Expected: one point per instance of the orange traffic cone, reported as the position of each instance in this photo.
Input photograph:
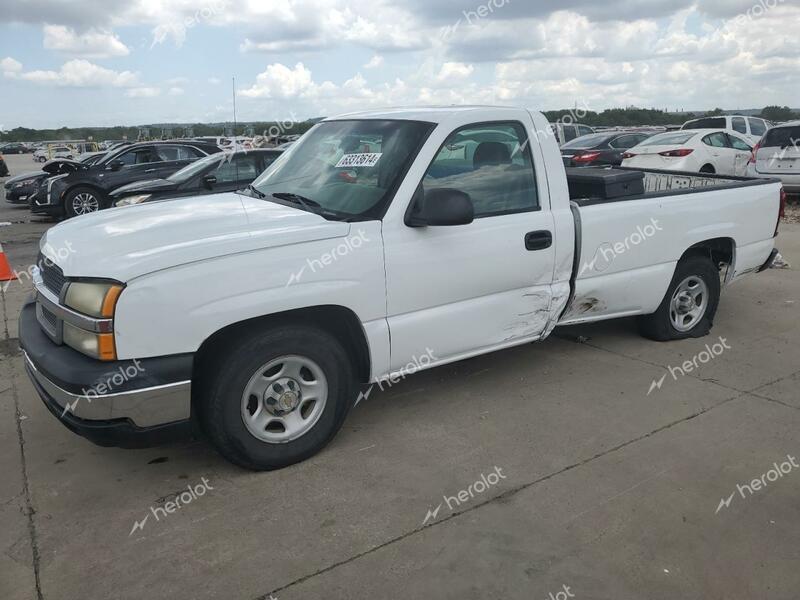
(6, 274)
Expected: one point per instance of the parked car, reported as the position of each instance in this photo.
(778, 155)
(51, 152)
(695, 151)
(21, 188)
(3, 167)
(87, 189)
(15, 148)
(751, 128)
(567, 132)
(599, 149)
(259, 317)
(214, 174)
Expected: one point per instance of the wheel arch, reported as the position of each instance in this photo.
(721, 251)
(339, 321)
(102, 193)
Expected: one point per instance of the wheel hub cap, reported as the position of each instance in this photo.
(283, 396)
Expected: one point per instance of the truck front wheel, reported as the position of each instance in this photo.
(276, 397)
(690, 304)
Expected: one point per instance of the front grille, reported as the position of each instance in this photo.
(49, 317)
(52, 275)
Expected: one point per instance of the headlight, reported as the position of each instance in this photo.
(94, 299)
(24, 182)
(131, 200)
(96, 345)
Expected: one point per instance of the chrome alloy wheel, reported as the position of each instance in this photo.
(85, 203)
(689, 303)
(284, 399)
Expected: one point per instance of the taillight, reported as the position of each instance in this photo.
(586, 158)
(781, 211)
(753, 155)
(677, 153)
(627, 155)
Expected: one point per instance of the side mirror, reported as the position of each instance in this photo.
(116, 165)
(441, 208)
(209, 181)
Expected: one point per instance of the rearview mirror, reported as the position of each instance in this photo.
(441, 208)
(209, 181)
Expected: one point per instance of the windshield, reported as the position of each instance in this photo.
(588, 141)
(192, 169)
(782, 137)
(668, 139)
(348, 168)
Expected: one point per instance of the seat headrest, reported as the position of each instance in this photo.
(490, 154)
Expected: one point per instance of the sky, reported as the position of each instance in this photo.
(128, 62)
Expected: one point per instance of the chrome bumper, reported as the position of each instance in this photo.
(145, 407)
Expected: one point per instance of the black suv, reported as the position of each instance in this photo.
(87, 189)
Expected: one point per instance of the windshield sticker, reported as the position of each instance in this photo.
(349, 161)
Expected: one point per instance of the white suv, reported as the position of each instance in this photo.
(45, 154)
(752, 128)
(778, 155)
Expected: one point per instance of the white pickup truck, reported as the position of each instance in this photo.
(379, 244)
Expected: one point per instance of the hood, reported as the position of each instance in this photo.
(61, 165)
(144, 187)
(128, 242)
(31, 175)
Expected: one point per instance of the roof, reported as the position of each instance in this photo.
(431, 114)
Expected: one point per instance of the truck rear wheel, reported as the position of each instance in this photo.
(690, 304)
(277, 397)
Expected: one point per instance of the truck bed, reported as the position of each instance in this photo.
(656, 183)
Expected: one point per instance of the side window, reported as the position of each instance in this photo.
(626, 141)
(167, 153)
(739, 144)
(758, 127)
(242, 167)
(189, 153)
(739, 124)
(716, 140)
(584, 130)
(495, 169)
(570, 133)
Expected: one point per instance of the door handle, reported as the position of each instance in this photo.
(149, 170)
(538, 240)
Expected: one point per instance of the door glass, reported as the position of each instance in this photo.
(570, 133)
(758, 127)
(739, 144)
(492, 163)
(738, 124)
(716, 140)
(243, 167)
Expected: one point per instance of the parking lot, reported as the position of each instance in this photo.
(594, 465)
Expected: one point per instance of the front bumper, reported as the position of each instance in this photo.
(127, 403)
(19, 195)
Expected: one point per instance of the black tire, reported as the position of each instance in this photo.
(708, 169)
(69, 201)
(659, 326)
(228, 373)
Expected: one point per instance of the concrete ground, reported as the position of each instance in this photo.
(566, 476)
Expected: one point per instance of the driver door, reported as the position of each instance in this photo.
(459, 290)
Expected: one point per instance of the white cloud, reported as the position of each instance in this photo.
(175, 91)
(214, 81)
(454, 71)
(10, 67)
(279, 81)
(143, 92)
(82, 73)
(374, 62)
(92, 44)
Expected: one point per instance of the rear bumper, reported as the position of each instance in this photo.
(769, 261)
(130, 404)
